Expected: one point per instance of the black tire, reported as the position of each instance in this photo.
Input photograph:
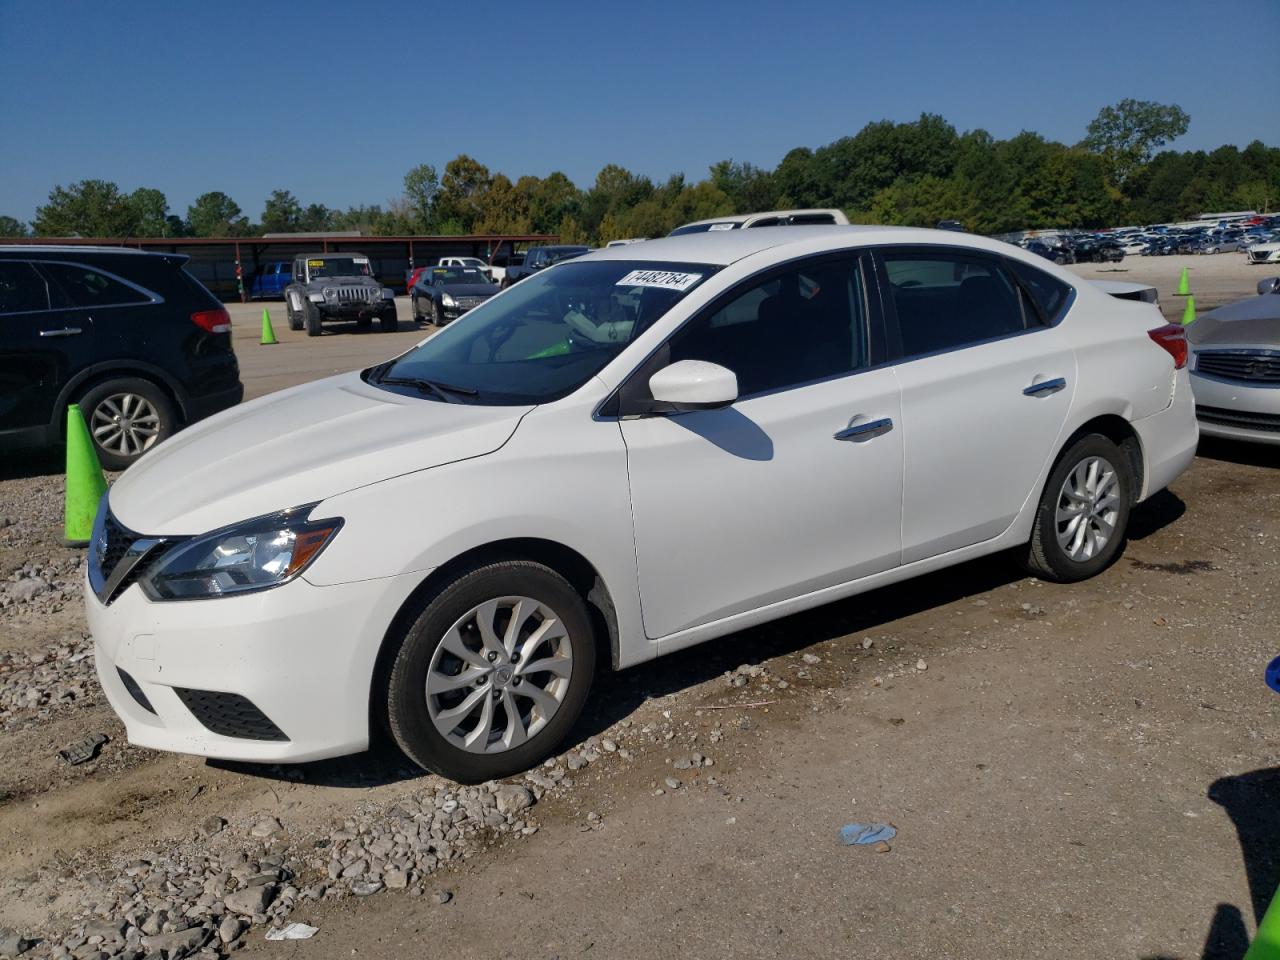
(388, 322)
(311, 317)
(1045, 557)
(108, 396)
(413, 307)
(364, 323)
(408, 719)
(435, 314)
(295, 321)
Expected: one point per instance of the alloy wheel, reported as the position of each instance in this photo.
(125, 423)
(499, 675)
(1088, 508)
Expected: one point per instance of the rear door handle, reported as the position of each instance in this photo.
(64, 332)
(866, 430)
(1045, 387)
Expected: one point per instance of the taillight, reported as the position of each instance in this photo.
(212, 321)
(1173, 338)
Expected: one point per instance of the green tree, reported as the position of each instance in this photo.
(570, 231)
(1128, 134)
(502, 208)
(215, 214)
(550, 200)
(90, 208)
(421, 185)
(749, 188)
(151, 213)
(316, 218)
(465, 180)
(13, 227)
(282, 213)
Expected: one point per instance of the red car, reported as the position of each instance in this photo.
(414, 274)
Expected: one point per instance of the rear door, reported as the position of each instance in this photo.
(34, 343)
(987, 383)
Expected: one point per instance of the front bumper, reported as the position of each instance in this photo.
(301, 655)
(353, 310)
(1237, 411)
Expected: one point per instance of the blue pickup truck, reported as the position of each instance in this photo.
(270, 281)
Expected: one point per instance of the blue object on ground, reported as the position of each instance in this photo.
(859, 834)
(1273, 675)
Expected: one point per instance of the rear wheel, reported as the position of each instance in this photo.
(126, 418)
(493, 673)
(1083, 514)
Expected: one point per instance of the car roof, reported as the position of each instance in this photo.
(35, 249)
(728, 246)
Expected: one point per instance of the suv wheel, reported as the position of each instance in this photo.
(493, 673)
(388, 322)
(311, 316)
(295, 321)
(1083, 514)
(126, 418)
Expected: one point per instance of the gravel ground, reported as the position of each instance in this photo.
(1074, 771)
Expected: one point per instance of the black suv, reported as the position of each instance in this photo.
(132, 337)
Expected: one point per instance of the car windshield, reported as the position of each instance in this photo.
(339, 267)
(457, 275)
(556, 254)
(703, 228)
(546, 336)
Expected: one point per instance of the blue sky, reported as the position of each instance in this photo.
(335, 101)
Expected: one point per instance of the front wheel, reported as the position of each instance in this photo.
(1083, 515)
(388, 322)
(493, 673)
(311, 315)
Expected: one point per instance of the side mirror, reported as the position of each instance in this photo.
(1269, 285)
(694, 385)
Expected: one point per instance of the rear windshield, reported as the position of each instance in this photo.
(546, 336)
(704, 228)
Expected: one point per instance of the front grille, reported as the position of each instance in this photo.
(1266, 422)
(117, 541)
(1244, 366)
(354, 294)
(229, 714)
(135, 691)
(467, 303)
(1259, 256)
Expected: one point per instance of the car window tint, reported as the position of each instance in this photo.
(805, 324)
(948, 300)
(86, 287)
(1050, 293)
(21, 288)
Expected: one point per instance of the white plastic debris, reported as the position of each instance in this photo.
(292, 931)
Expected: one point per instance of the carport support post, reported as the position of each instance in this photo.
(239, 274)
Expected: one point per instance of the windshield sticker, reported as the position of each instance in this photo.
(659, 278)
(315, 263)
(722, 226)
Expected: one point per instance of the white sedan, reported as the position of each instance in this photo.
(629, 453)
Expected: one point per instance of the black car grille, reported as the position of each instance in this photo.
(111, 547)
(1259, 256)
(1266, 422)
(135, 691)
(1244, 366)
(118, 540)
(229, 715)
(467, 303)
(354, 294)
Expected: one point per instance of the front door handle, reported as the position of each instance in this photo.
(1045, 387)
(64, 332)
(866, 430)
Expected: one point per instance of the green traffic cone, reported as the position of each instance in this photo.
(85, 482)
(1189, 314)
(1184, 283)
(268, 335)
(1266, 945)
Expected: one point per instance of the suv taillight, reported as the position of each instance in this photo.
(1173, 338)
(213, 321)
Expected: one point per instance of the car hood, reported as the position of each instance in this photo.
(1251, 322)
(299, 446)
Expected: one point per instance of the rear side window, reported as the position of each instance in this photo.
(804, 324)
(1051, 295)
(83, 286)
(946, 300)
(21, 288)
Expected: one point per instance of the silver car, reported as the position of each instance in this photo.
(1235, 373)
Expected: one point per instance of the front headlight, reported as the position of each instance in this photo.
(448, 301)
(330, 293)
(254, 555)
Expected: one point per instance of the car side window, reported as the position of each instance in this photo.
(21, 288)
(802, 324)
(83, 286)
(948, 299)
(1052, 296)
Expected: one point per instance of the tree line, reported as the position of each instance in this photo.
(914, 173)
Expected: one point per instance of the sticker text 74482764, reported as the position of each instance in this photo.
(667, 279)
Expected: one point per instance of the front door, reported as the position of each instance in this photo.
(773, 497)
